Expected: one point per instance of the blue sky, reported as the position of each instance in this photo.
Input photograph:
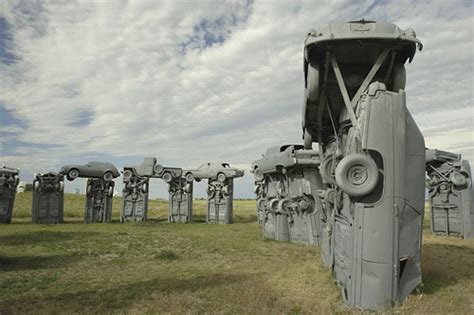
(196, 81)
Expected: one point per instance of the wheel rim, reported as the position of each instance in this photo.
(221, 177)
(357, 175)
(108, 176)
(167, 177)
(127, 174)
(74, 173)
(158, 169)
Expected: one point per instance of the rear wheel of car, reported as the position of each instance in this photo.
(227, 190)
(261, 203)
(458, 179)
(158, 169)
(308, 140)
(167, 177)
(257, 175)
(61, 186)
(73, 174)
(189, 177)
(36, 186)
(127, 174)
(399, 77)
(221, 177)
(188, 188)
(327, 169)
(273, 204)
(283, 205)
(312, 83)
(145, 188)
(108, 176)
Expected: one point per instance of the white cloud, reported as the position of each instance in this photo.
(191, 81)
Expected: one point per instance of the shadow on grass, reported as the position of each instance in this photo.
(444, 265)
(106, 300)
(43, 237)
(35, 262)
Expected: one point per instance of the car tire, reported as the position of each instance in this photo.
(227, 190)
(127, 174)
(221, 177)
(36, 186)
(190, 177)
(158, 169)
(145, 188)
(312, 83)
(399, 77)
(273, 204)
(188, 187)
(72, 174)
(458, 179)
(108, 176)
(261, 202)
(326, 169)
(61, 186)
(308, 140)
(257, 175)
(167, 177)
(357, 175)
(282, 206)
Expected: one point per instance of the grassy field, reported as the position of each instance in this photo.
(195, 268)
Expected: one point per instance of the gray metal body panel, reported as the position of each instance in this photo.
(376, 238)
(9, 179)
(48, 198)
(220, 201)
(99, 196)
(451, 194)
(135, 198)
(180, 201)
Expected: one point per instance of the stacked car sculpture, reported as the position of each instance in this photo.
(359, 194)
(451, 194)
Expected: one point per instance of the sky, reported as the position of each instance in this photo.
(194, 81)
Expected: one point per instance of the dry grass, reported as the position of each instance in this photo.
(195, 268)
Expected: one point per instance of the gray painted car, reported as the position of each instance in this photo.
(9, 180)
(104, 170)
(371, 174)
(450, 193)
(372, 158)
(219, 171)
(150, 168)
(48, 198)
(281, 158)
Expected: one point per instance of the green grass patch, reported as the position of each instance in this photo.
(156, 267)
